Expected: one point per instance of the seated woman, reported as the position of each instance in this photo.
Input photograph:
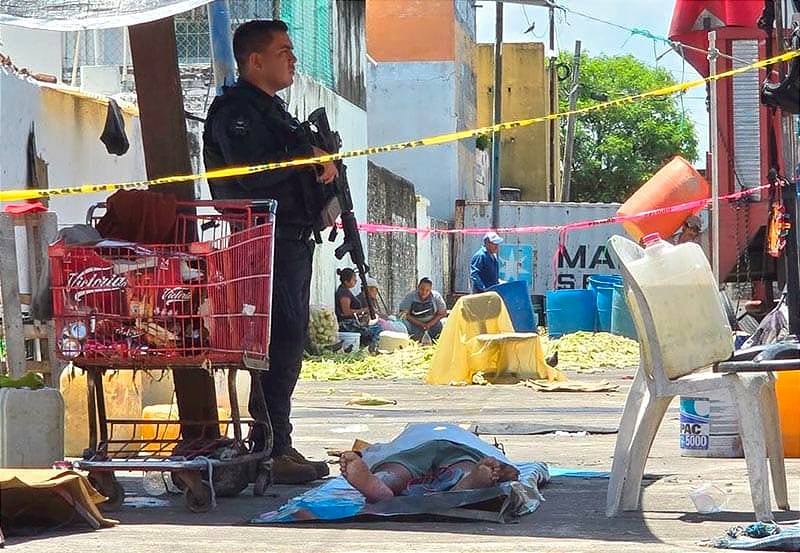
(350, 312)
(426, 458)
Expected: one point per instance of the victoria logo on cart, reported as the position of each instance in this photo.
(93, 280)
(175, 295)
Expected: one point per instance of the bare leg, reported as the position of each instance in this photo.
(394, 479)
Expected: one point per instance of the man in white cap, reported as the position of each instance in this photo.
(484, 269)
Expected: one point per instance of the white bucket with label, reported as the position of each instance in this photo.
(709, 426)
(351, 341)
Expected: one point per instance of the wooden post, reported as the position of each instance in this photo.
(40, 230)
(160, 99)
(166, 150)
(12, 317)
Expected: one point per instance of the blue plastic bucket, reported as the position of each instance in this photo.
(621, 321)
(603, 285)
(570, 311)
(518, 302)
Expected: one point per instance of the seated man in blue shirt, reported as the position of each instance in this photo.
(485, 268)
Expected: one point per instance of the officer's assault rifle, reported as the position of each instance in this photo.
(325, 139)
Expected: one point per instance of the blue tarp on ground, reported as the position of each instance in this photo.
(336, 499)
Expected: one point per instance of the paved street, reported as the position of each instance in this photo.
(572, 519)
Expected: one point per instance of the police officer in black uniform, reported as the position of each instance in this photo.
(249, 125)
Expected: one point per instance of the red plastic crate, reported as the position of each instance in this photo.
(203, 299)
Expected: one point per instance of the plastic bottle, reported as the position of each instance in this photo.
(426, 339)
(708, 498)
(154, 482)
(679, 287)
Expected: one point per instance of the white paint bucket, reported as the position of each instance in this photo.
(709, 426)
(351, 341)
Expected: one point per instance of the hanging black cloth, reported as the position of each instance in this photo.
(114, 132)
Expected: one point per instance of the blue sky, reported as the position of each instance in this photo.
(599, 38)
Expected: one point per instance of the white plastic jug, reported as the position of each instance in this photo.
(689, 318)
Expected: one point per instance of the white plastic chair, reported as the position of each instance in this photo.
(651, 393)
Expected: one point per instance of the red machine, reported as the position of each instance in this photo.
(750, 135)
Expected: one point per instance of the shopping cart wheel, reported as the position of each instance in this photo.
(198, 497)
(108, 485)
(177, 482)
(263, 480)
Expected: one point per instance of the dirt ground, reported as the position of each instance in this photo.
(572, 518)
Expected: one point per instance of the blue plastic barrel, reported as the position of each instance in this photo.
(570, 311)
(621, 321)
(518, 302)
(603, 285)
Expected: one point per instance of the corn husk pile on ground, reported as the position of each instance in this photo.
(322, 327)
(412, 362)
(586, 351)
(581, 351)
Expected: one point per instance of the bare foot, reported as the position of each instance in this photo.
(357, 473)
(483, 475)
(507, 473)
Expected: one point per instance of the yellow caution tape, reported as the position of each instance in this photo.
(25, 194)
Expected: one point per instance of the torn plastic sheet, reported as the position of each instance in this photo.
(77, 15)
(337, 500)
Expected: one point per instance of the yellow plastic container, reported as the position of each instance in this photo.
(158, 430)
(788, 390)
(125, 392)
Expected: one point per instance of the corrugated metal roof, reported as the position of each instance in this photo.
(74, 15)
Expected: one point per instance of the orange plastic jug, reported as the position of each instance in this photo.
(675, 183)
(787, 388)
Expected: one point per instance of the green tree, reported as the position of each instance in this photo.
(617, 149)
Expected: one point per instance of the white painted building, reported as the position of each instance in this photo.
(67, 125)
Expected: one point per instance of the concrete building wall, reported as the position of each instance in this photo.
(391, 201)
(350, 50)
(465, 95)
(391, 24)
(523, 155)
(412, 100)
(304, 96)
(67, 129)
(422, 82)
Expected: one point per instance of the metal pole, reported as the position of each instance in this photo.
(573, 102)
(553, 161)
(96, 45)
(713, 54)
(76, 57)
(219, 24)
(792, 259)
(124, 52)
(498, 101)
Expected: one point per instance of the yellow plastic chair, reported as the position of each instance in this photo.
(479, 337)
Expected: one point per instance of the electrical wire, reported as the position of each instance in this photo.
(675, 45)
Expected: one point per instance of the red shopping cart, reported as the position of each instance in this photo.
(200, 302)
